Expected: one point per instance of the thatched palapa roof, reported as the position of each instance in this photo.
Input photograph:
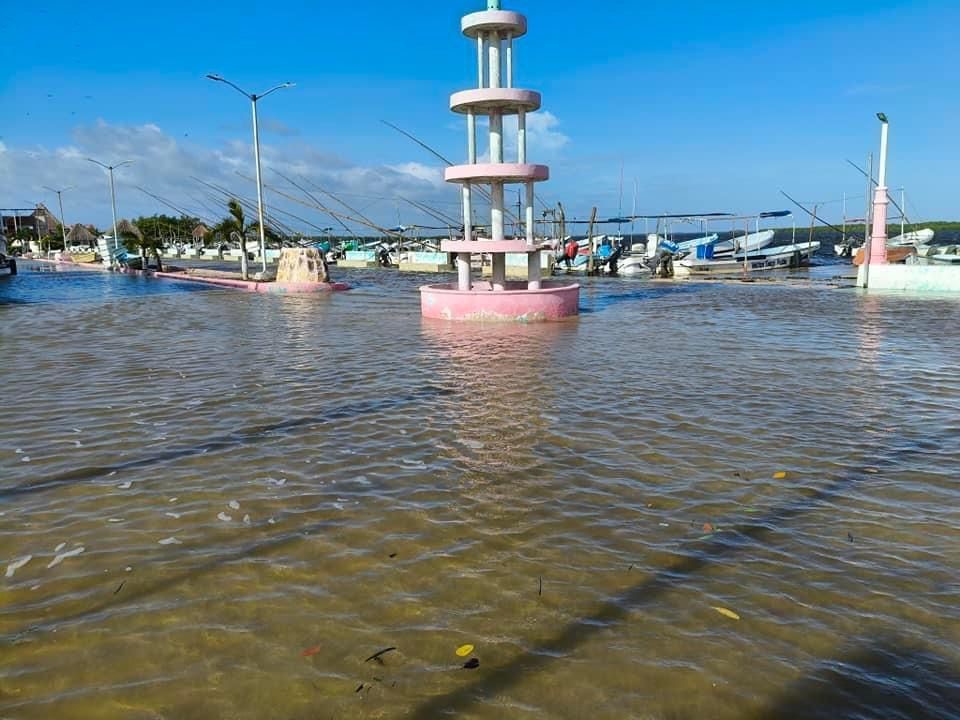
(125, 228)
(80, 235)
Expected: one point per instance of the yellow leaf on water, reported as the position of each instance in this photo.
(464, 650)
(726, 613)
(779, 475)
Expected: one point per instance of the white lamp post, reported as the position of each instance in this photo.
(252, 97)
(878, 239)
(113, 195)
(63, 226)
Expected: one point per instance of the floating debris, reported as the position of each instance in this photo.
(726, 613)
(59, 547)
(359, 688)
(310, 651)
(17, 564)
(233, 505)
(60, 557)
(174, 515)
(779, 475)
(246, 519)
(170, 541)
(120, 587)
(540, 588)
(114, 520)
(708, 527)
(376, 655)
(223, 516)
(125, 485)
(849, 537)
(25, 458)
(173, 499)
(464, 650)
(471, 664)
(393, 555)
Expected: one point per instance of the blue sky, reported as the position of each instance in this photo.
(708, 106)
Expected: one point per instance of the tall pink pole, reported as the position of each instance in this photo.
(878, 237)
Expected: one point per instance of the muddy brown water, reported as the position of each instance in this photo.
(253, 477)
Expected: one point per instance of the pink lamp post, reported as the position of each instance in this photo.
(878, 237)
(495, 97)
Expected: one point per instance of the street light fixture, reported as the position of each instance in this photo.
(253, 97)
(63, 226)
(113, 195)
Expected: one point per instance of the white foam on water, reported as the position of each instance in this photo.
(173, 515)
(78, 443)
(338, 506)
(112, 473)
(25, 458)
(76, 430)
(473, 444)
(223, 516)
(64, 555)
(114, 519)
(173, 499)
(19, 451)
(17, 564)
(125, 485)
(361, 479)
(169, 541)
(271, 521)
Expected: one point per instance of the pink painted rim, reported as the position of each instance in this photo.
(490, 20)
(497, 172)
(484, 100)
(488, 246)
(514, 287)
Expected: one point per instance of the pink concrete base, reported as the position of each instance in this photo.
(553, 301)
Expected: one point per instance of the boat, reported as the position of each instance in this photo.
(687, 246)
(946, 255)
(894, 255)
(916, 237)
(847, 248)
(767, 258)
(753, 241)
(8, 265)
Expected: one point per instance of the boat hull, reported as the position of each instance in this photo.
(789, 256)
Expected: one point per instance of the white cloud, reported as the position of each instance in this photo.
(164, 166)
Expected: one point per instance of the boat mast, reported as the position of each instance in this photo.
(903, 209)
(844, 241)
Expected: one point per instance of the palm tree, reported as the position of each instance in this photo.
(235, 227)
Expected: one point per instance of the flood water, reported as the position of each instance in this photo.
(230, 502)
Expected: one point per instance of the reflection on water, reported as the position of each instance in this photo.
(197, 490)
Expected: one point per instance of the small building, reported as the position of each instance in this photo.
(38, 220)
(200, 233)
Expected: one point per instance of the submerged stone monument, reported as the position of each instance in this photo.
(302, 265)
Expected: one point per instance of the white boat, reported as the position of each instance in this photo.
(752, 242)
(769, 258)
(687, 246)
(917, 237)
(948, 255)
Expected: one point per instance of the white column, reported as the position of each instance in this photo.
(496, 137)
(471, 138)
(533, 259)
(509, 60)
(463, 259)
(481, 60)
(494, 59)
(522, 136)
(499, 260)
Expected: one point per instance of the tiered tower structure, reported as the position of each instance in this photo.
(495, 97)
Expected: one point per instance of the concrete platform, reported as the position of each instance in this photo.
(910, 278)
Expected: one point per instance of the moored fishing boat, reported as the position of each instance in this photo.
(751, 243)
(769, 258)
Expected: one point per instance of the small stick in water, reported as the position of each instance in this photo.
(120, 587)
(376, 655)
(540, 591)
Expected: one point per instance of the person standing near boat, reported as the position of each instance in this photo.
(570, 251)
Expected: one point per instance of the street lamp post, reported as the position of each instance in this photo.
(253, 97)
(878, 238)
(63, 225)
(113, 196)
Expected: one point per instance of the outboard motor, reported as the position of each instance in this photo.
(661, 262)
